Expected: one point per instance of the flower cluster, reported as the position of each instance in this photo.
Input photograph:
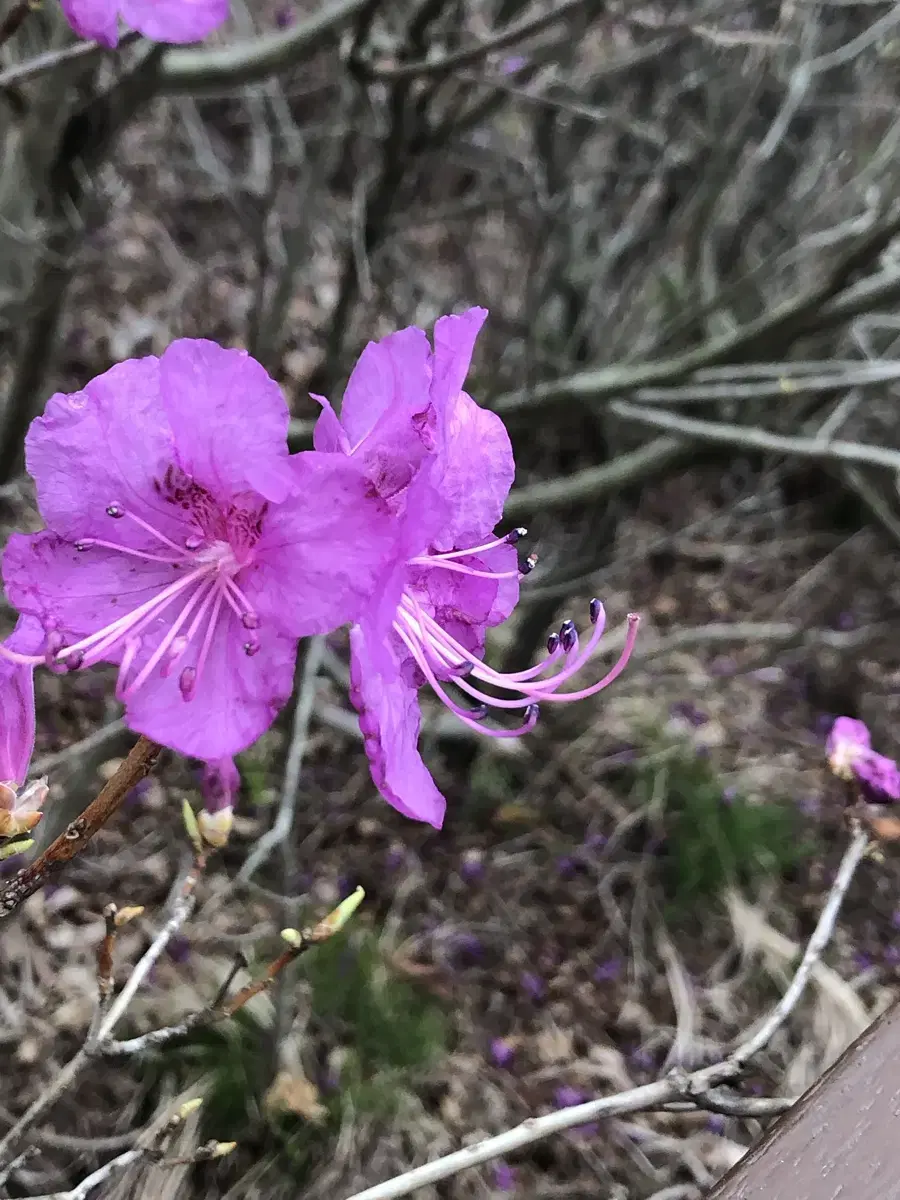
(851, 757)
(162, 20)
(187, 546)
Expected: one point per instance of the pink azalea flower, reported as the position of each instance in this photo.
(162, 20)
(442, 466)
(850, 756)
(186, 545)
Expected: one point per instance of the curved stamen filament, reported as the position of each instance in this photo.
(151, 530)
(434, 650)
(133, 620)
(472, 719)
(509, 540)
(89, 543)
(201, 594)
(425, 561)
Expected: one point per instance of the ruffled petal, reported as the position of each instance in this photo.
(94, 19)
(175, 21)
(389, 717)
(17, 702)
(77, 593)
(329, 435)
(109, 443)
(474, 473)
(229, 420)
(466, 605)
(454, 341)
(237, 697)
(390, 376)
(323, 553)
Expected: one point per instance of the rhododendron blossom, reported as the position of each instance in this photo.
(851, 757)
(443, 467)
(185, 544)
(162, 20)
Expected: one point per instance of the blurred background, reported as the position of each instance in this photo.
(683, 219)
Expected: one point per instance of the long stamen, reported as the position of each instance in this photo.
(118, 510)
(133, 620)
(509, 540)
(236, 599)
(189, 606)
(207, 640)
(132, 646)
(425, 561)
(89, 543)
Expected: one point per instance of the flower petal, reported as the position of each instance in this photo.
(474, 473)
(389, 717)
(17, 702)
(94, 19)
(77, 593)
(228, 417)
(324, 552)
(237, 696)
(175, 21)
(390, 376)
(105, 444)
(454, 341)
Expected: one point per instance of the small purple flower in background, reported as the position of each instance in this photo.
(442, 466)
(689, 712)
(715, 1123)
(285, 17)
(851, 757)
(502, 1052)
(471, 865)
(569, 1097)
(179, 949)
(162, 20)
(185, 544)
(610, 969)
(504, 1176)
(532, 984)
(514, 63)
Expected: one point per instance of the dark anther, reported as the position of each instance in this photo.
(552, 643)
(115, 510)
(515, 534)
(528, 565)
(83, 544)
(479, 713)
(532, 712)
(568, 635)
(596, 610)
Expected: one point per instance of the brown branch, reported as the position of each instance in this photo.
(76, 835)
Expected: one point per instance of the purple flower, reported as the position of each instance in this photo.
(610, 969)
(504, 1176)
(568, 1097)
(186, 545)
(532, 984)
(502, 1052)
(442, 466)
(850, 756)
(715, 1123)
(161, 20)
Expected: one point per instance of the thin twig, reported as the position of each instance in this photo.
(749, 437)
(852, 857)
(284, 822)
(60, 1083)
(78, 833)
